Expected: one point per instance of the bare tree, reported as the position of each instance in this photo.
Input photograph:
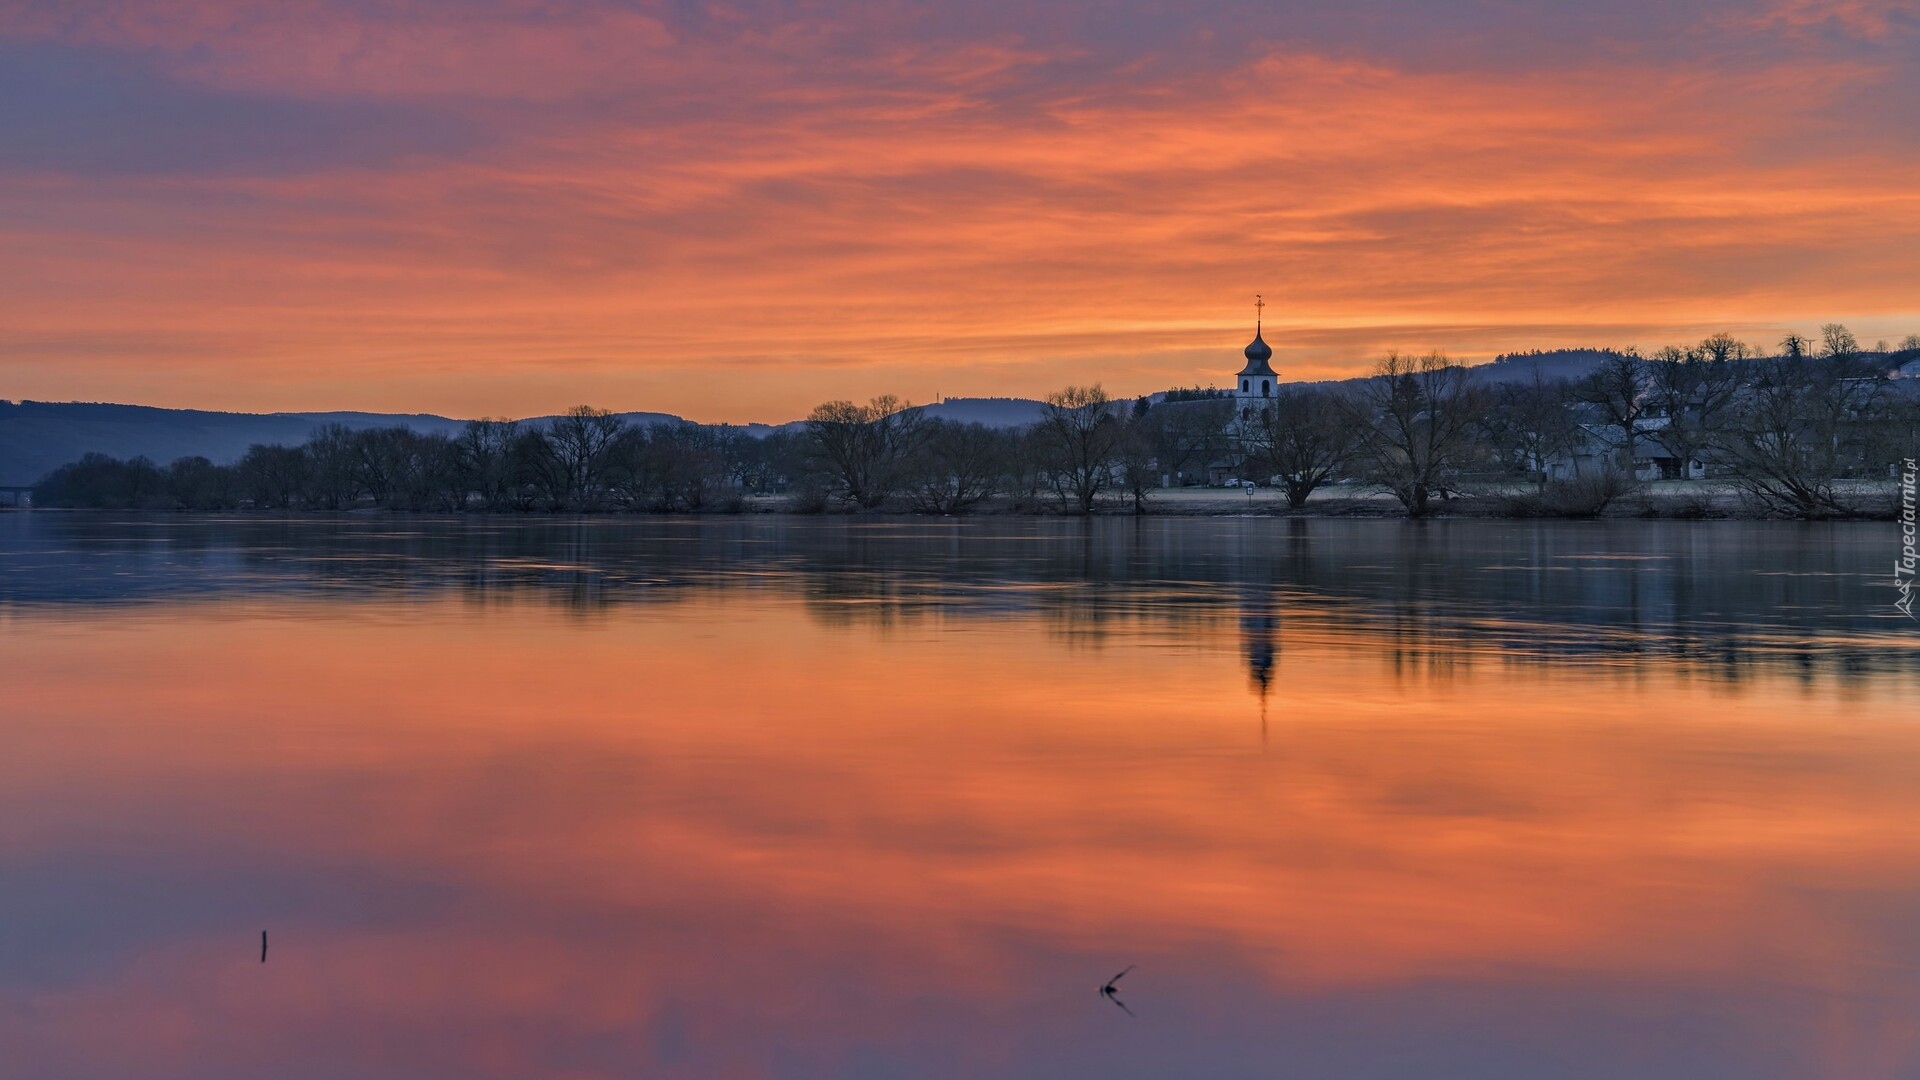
(1793, 346)
(275, 477)
(1417, 419)
(1029, 469)
(439, 481)
(772, 462)
(866, 448)
(681, 466)
(740, 451)
(1894, 431)
(1693, 388)
(484, 452)
(386, 465)
(579, 440)
(541, 481)
(334, 477)
(1618, 390)
(1724, 346)
(1530, 423)
(1187, 434)
(1797, 428)
(196, 483)
(1080, 437)
(1303, 436)
(1838, 343)
(956, 467)
(1139, 469)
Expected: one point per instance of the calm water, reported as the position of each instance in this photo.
(793, 797)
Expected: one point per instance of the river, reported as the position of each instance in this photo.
(796, 797)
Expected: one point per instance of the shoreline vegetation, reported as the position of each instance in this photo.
(1663, 500)
(1716, 430)
(1656, 502)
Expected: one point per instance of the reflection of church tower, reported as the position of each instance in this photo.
(1259, 629)
(1257, 380)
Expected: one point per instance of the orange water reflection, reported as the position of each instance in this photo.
(726, 836)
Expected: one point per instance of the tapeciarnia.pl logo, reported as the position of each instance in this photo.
(1903, 566)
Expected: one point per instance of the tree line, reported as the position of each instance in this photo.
(1803, 431)
(587, 460)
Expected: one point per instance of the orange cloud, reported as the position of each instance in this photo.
(734, 217)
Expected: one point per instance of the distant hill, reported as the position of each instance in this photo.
(991, 412)
(38, 436)
(1550, 364)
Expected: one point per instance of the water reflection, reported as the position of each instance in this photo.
(804, 798)
(1718, 597)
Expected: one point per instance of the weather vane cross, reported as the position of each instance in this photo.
(1259, 305)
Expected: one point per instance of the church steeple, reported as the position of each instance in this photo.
(1257, 379)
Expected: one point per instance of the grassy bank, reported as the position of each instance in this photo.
(1668, 499)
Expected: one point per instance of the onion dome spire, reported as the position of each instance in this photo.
(1258, 352)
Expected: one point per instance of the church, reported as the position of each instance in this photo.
(1256, 384)
(1258, 380)
(1255, 387)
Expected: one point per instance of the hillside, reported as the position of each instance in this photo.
(37, 436)
(1551, 365)
(991, 412)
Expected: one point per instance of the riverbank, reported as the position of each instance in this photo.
(1658, 500)
(1662, 499)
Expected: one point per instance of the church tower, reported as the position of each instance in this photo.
(1257, 382)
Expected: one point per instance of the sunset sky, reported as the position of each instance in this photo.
(733, 211)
